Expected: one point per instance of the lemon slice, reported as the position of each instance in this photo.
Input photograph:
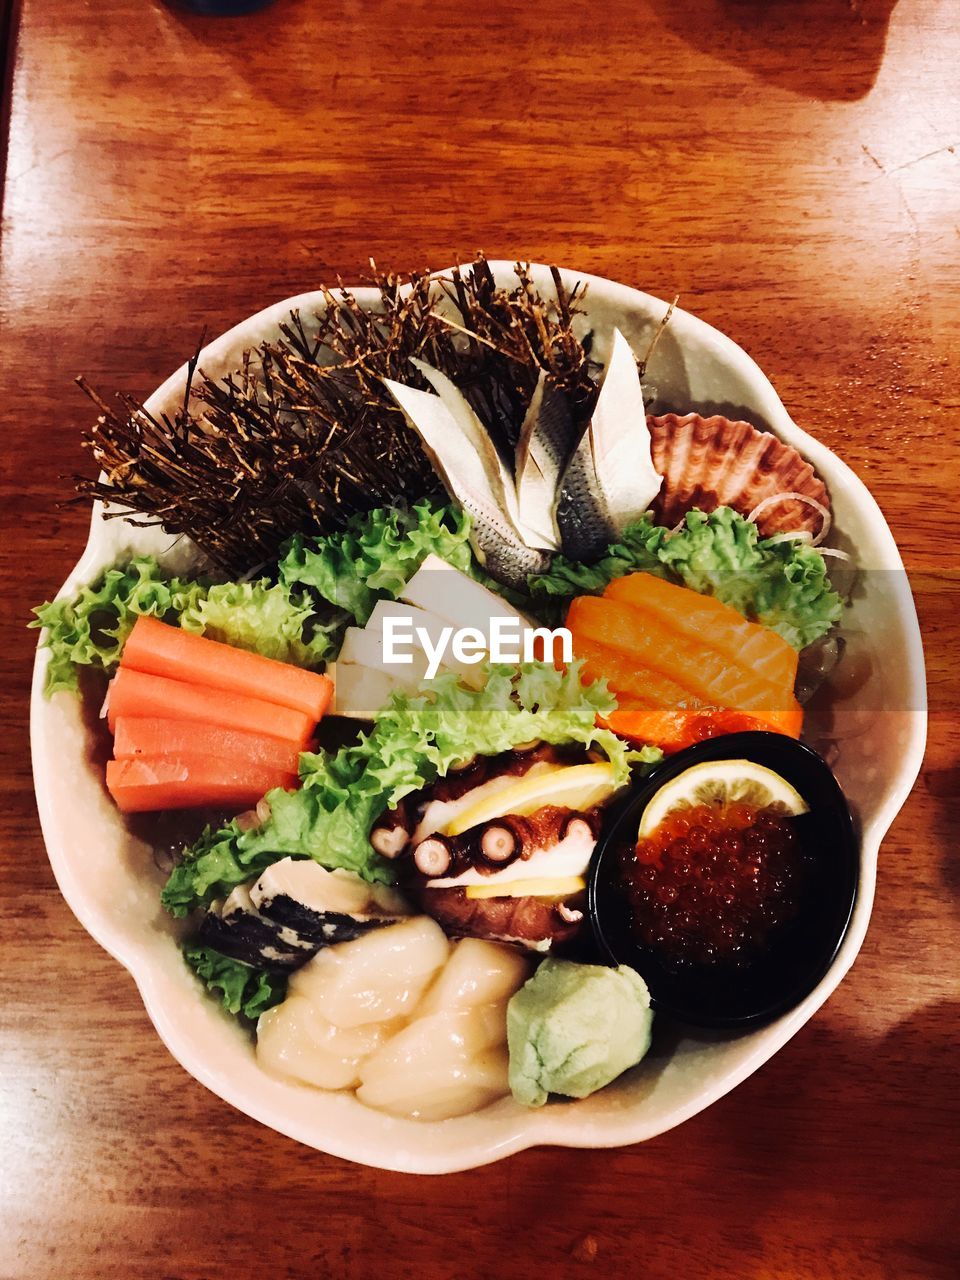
(578, 786)
(558, 887)
(722, 782)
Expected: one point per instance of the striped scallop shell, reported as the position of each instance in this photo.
(713, 462)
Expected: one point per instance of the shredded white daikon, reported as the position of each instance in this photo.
(797, 497)
(836, 553)
(792, 535)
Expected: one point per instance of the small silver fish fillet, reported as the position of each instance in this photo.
(582, 515)
(610, 480)
(493, 534)
(498, 475)
(547, 436)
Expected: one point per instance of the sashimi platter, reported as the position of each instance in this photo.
(473, 721)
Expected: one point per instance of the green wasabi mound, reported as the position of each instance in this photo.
(575, 1027)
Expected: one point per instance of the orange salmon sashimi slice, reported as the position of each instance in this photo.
(654, 708)
(626, 676)
(675, 729)
(695, 664)
(749, 644)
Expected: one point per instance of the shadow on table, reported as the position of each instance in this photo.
(9, 26)
(829, 50)
(831, 1129)
(944, 786)
(826, 50)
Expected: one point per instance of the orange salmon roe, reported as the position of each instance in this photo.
(712, 883)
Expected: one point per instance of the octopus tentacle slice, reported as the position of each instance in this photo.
(433, 856)
(391, 833)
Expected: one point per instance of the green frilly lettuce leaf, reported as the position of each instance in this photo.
(415, 740)
(782, 584)
(276, 621)
(91, 628)
(324, 583)
(376, 555)
(241, 988)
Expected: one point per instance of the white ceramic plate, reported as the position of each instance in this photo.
(877, 733)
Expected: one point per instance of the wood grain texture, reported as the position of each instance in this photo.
(792, 168)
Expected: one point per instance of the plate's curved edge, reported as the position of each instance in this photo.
(550, 1130)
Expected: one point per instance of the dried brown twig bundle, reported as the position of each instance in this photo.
(304, 435)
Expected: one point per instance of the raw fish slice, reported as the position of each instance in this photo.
(610, 480)
(712, 462)
(493, 534)
(536, 507)
(748, 644)
(494, 468)
(549, 430)
(583, 520)
(676, 728)
(645, 637)
(626, 676)
(546, 439)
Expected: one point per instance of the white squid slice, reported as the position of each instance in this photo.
(457, 600)
(472, 674)
(438, 813)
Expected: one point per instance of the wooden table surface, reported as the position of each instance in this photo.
(792, 169)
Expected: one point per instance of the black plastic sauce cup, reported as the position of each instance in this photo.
(798, 954)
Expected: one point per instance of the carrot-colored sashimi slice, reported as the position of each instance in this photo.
(162, 650)
(625, 675)
(152, 736)
(644, 636)
(676, 728)
(189, 782)
(754, 647)
(135, 693)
